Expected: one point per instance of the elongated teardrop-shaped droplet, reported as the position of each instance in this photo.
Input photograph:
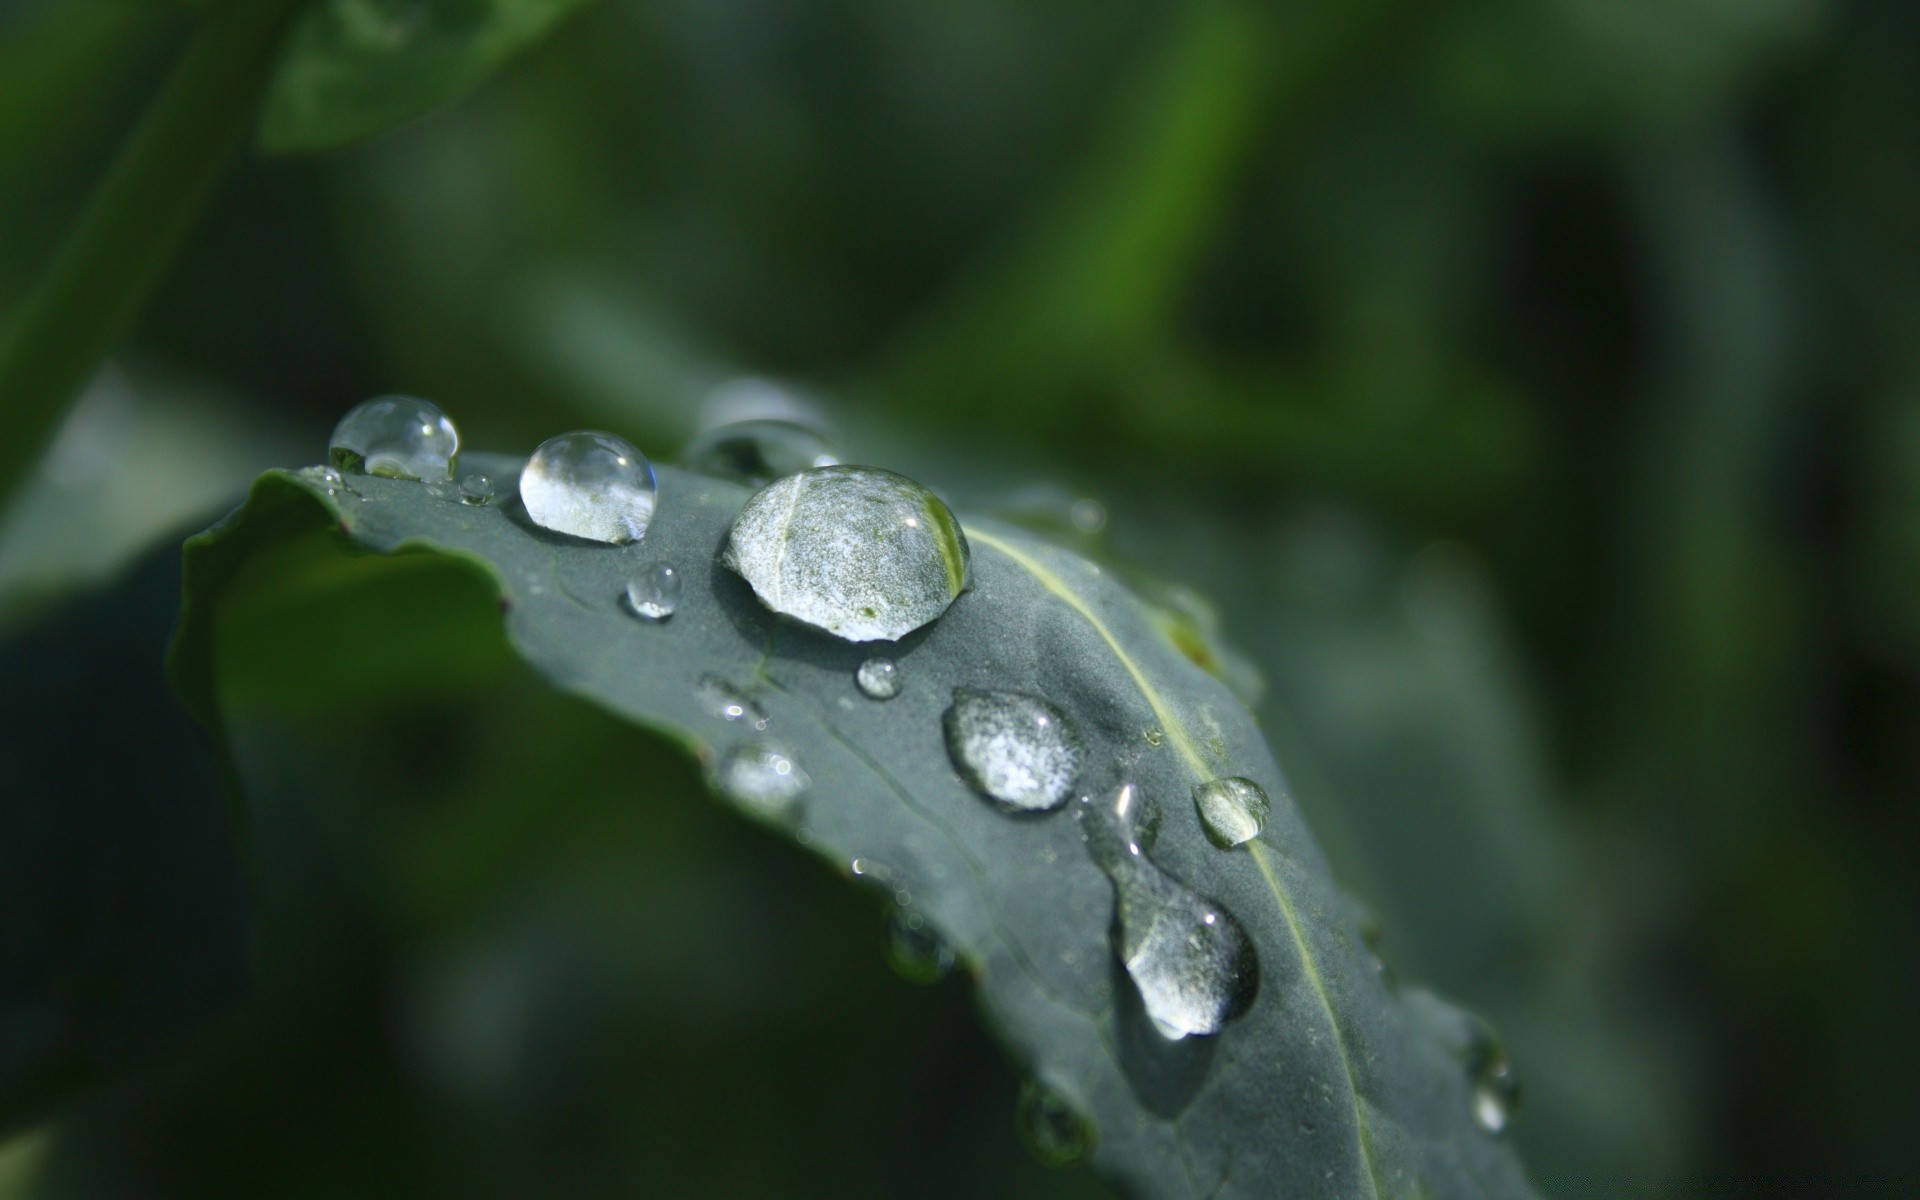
(916, 952)
(654, 592)
(1495, 1094)
(1232, 810)
(1052, 1128)
(759, 452)
(475, 488)
(1493, 1091)
(1015, 749)
(402, 437)
(728, 702)
(1194, 966)
(590, 485)
(866, 555)
(878, 679)
(762, 776)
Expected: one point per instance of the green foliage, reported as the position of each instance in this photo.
(354, 68)
(1374, 1101)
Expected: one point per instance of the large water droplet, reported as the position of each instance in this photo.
(762, 776)
(475, 488)
(402, 437)
(1014, 748)
(655, 592)
(917, 953)
(878, 679)
(759, 452)
(1052, 1128)
(1232, 810)
(861, 553)
(727, 702)
(1194, 966)
(589, 485)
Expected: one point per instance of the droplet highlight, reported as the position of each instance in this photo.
(1052, 1128)
(878, 679)
(915, 951)
(400, 437)
(475, 489)
(758, 452)
(654, 592)
(729, 703)
(1015, 749)
(761, 776)
(1233, 810)
(1193, 965)
(864, 554)
(590, 485)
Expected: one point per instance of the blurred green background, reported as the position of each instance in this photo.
(1533, 387)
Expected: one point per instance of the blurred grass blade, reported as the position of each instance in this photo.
(354, 68)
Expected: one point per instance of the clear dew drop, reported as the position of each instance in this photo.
(729, 703)
(1194, 966)
(759, 452)
(864, 554)
(1052, 1128)
(1232, 810)
(1088, 516)
(1493, 1090)
(1015, 749)
(917, 953)
(590, 485)
(654, 592)
(878, 679)
(326, 477)
(401, 437)
(475, 488)
(761, 776)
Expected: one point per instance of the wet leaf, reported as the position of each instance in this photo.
(1327, 1085)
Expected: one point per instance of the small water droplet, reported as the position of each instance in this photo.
(326, 477)
(1088, 516)
(762, 776)
(590, 485)
(475, 488)
(1495, 1095)
(1013, 748)
(1232, 810)
(401, 437)
(759, 452)
(1194, 966)
(864, 554)
(1494, 1092)
(1153, 735)
(915, 951)
(654, 592)
(728, 702)
(1051, 1127)
(878, 679)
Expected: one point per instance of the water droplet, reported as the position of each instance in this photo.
(1496, 1094)
(863, 554)
(1088, 516)
(326, 477)
(475, 488)
(402, 437)
(1232, 810)
(1052, 1128)
(727, 702)
(589, 485)
(762, 776)
(759, 452)
(654, 592)
(1153, 735)
(1013, 748)
(1194, 966)
(916, 953)
(878, 679)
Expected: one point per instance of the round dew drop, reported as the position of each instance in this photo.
(878, 679)
(864, 554)
(1232, 810)
(916, 953)
(1052, 1128)
(475, 488)
(655, 592)
(758, 452)
(401, 437)
(729, 703)
(762, 777)
(1015, 749)
(590, 485)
